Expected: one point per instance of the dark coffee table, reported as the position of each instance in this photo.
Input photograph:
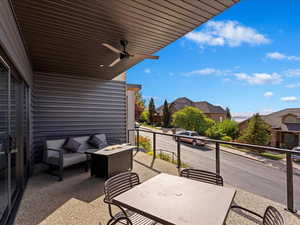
(106, 163)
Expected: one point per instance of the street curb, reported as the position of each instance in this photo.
(223, 150)
(258, 160)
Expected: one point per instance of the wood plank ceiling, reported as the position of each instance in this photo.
(65, 36)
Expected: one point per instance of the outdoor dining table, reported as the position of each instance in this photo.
(169, 199)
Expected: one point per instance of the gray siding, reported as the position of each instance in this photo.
(11, 41)
(71, 105)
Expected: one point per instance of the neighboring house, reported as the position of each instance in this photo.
(214, 112)
(285, 127)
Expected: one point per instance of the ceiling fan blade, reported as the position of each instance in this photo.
(147, 56)
(115, 62)
(112, 48)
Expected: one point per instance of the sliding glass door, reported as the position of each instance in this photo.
(13, 138)
(4, 140)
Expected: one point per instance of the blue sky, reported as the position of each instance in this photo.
(247, 59)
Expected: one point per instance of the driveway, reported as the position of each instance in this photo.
(247, 174)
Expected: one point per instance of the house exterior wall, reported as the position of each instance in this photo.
(131, 114)
(66, 105)
(11, 42)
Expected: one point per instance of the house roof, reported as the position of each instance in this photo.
(204, 106)
(274, 119)
(66, 36)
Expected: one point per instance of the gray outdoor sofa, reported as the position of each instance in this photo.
(56, 156)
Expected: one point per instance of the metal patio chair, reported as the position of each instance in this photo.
(115, 186)
(271, 216)
(203, 176)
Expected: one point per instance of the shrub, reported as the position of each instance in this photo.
(144, 117)
(226, 138)
(145, 143)
(225, 128)
(192, 118)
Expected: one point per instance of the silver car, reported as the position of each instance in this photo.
(187, 138)
(296, 158)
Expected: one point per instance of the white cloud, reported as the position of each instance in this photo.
(280, 56)
(292, 72)
(147, 70)
(275, 55)
(289, 99)
(241, 116)
(266, 111)
(268, 94)
(205, 71)
(259, 78)
(293, 85)
(231, 33)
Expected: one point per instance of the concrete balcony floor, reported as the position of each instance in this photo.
(78, 199)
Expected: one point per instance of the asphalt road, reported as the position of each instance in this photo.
(247, 174)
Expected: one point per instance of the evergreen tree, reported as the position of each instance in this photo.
(228, 114)
(151, 109)
(257, 131)
(166, 115)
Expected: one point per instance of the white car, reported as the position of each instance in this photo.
(296, 158)
(186, 139)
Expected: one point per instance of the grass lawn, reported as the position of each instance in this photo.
(150, 126)
(268, 155)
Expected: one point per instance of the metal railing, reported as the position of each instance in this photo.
(287, 152)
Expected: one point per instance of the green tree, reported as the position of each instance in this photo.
(166, 115)
(228, 114)
(257, 132)
(139, 105)
(226, 128)
(192, 118)
(144, 117)
(151, 109)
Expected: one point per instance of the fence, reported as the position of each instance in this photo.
(287, 152)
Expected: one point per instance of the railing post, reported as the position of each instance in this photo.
(154, 146)
(138, 140)
(218, 158)
(178, 154)
(290, 183)
(128, 132)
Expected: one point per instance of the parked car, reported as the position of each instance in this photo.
(296, 158)
(187, 138)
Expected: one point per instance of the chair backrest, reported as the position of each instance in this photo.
(272, 217)
(56, 144)
(118, 184)
(203, 176)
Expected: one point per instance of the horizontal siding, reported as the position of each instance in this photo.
(65, 105)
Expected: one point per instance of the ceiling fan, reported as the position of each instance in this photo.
(124, 54)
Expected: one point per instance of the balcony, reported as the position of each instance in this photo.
(79, 198)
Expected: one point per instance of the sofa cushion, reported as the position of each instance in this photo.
(73, 158)
(102, 137)
(83, 140)
(71, 145)
(97, 142)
